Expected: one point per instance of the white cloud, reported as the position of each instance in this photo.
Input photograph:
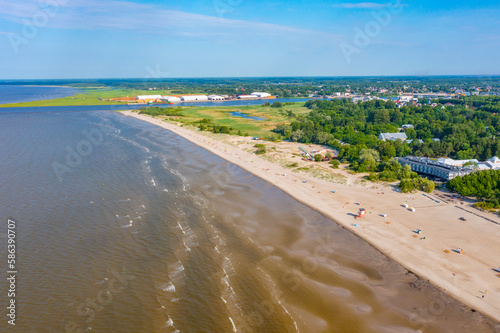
(128, 15)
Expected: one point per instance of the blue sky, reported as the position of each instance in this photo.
(48, 39)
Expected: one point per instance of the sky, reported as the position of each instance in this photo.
(70, 39)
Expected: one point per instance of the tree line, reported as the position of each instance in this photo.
(454, 131)
(484, 185)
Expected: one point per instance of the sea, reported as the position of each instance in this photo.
(20, 93)
(122, 226)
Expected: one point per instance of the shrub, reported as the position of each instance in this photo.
(335, 164)
(412, 184)
(273, 138)
(221, 129)
(261, 149)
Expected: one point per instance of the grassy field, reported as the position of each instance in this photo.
(262, 128)
(90, 97)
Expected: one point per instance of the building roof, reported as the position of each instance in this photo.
(171, 98)
(392, 136)
(148, 96)
(435, 168)
(410, 141)
(450, 161)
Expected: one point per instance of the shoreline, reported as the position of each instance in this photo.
(465, 277)
(107, 102)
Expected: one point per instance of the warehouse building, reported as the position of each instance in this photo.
(247, 97)
(194, 98)
(172, 99)
(260, 95)
(148, 98)
(215, 98)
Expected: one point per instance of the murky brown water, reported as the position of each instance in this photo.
(149, 233)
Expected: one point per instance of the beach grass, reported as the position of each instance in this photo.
(90, 96)
(221, 116)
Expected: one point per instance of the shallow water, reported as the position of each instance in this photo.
(243, 115)
(17, 94)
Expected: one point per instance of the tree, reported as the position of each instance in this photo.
(411, 133)
(422, 184)
(390, 165)
(323, 138)
(318, 157)
(466, 154)
(471, 165)
(405, 172)
(368, 154)
(407, 185)
(426, 185)
(297, 135)
(387, 150)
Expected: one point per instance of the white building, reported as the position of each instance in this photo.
(247, 97)
(148, 97)
(260, 95)
(407, 126)
(407, 99)
(215, 98)
(392, 136)
(194, 98)
(457, 163)
(172, 99)
(491, 164)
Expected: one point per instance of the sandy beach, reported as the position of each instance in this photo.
(471, 277)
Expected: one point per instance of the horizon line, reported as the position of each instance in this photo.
(258, 77)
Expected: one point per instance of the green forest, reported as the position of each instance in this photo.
(484, 185)
(459, 131)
